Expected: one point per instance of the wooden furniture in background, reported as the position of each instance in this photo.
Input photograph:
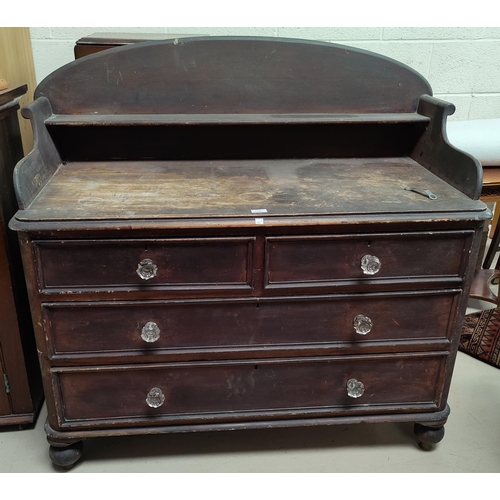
(483, 283)
(18, 68)
(485, 278)
(244, 233)
(20, 382)
(481, 139)
(102, 41)
(491, 193)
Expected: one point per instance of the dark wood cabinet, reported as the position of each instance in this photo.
(20, 382)
(96, 42)
(228, 233)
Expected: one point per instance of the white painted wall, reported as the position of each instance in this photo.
(461, 64)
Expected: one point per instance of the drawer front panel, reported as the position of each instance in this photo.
(108, 327)
(257, 385)
(328, 258)
(197, 263)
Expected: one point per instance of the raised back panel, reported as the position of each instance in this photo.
(233, 75)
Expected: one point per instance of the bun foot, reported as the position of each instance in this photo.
(427, 436)
(66, 456)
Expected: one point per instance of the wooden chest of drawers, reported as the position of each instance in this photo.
(244, 240)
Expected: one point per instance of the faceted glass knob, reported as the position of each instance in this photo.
(370, 264)
(150, 332)
(355, 388)
(155, 398)
(147, 269)
(362, 324)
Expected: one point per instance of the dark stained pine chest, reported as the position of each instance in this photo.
(226, 233)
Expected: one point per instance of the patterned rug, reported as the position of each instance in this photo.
(481, 336)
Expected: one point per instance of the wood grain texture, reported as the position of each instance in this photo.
(257, 385)
(154, 190)
(329, 258)
(192, 263)
(239, 226)
(461, 308)
(18, 68)
(107, 327)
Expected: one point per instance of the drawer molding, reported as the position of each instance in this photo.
(328, 260)
(76, 266)
(198, 326)
(239, 353)
(184, 391)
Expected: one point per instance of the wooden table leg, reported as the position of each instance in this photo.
(494, 221)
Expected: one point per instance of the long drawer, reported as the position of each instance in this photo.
(184, 390)
(155, 325)
(323, 259)
(188, 263)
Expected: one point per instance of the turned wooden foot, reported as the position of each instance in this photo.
(427, 436)
(65, 455)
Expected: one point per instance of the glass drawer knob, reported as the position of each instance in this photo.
(370, 264)
(150, 332)
(355, 388)
(147, 269)
(362, 324)
(155, 398)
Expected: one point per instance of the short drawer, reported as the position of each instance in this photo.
(199, 324)
(185, 390)
(193, 263)
(327, 259)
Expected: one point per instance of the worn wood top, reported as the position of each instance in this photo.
(233, 188)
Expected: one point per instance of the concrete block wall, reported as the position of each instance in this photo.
(461, 64)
